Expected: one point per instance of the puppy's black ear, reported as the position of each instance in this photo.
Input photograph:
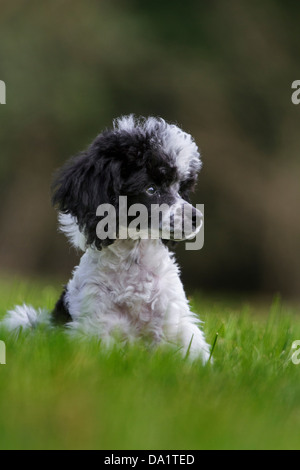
(81, 185)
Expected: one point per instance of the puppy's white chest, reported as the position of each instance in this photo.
(130, 281)
(136, 285)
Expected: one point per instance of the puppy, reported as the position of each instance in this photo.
(127, 286)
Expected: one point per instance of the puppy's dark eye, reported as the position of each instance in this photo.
(151, 190)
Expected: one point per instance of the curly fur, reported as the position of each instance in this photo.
(125, 289)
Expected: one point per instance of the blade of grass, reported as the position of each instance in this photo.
(213, 346)
(188, 349)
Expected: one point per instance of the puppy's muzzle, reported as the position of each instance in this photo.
(185, 221)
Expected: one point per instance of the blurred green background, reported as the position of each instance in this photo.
(221, 69)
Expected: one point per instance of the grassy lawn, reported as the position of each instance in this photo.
(59, 393)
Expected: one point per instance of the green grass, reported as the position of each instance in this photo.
(57, 393)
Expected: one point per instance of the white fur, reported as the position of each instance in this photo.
(24, 317)
(132, 289)
(69, 226)
(182, 147)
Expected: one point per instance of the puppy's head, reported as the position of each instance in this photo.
(147, 160)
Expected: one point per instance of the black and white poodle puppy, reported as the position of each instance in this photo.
(126, 287)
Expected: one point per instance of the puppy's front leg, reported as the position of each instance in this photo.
(183, 328)
(192, 339)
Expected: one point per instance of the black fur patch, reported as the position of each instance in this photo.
(60, 314)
